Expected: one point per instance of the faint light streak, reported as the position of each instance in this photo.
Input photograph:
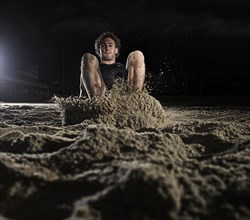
(1, 57)
(1, 66)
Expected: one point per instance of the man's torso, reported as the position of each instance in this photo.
(110, 72)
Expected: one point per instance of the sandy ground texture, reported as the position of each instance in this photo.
(167, 163)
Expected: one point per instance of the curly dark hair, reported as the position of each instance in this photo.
(104, 35)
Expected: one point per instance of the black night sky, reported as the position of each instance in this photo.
(190, 47)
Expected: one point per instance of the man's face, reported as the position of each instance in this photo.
(108, 50)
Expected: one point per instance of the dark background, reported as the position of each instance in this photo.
(190, 47)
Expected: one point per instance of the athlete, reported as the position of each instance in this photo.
(98, 77)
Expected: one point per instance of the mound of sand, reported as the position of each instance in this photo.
(120, 108)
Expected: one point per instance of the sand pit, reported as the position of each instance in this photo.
(194, 165)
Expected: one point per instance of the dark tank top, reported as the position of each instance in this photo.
(110, 72)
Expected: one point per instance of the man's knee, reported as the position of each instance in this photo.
(136, 58)
(89, 58)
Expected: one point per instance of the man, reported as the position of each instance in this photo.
(96, 78)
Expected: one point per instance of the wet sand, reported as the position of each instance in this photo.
(194, 165)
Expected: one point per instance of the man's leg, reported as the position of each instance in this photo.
(136, 70)
(91, 80)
